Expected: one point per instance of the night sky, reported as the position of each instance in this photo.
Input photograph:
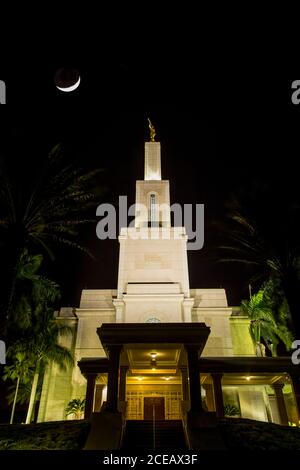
(222, 131)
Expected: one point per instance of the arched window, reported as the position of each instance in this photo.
(153, 210)
(153, 320)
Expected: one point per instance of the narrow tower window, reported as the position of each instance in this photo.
(153, 211)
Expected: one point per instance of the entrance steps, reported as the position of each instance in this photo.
(141, 436)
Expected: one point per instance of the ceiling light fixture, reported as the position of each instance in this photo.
(153, 360)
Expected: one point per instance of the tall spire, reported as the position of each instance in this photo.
(152, 156)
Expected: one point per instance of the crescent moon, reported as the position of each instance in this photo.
(70, 88)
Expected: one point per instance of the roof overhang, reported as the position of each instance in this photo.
(248, 364)
(119, 334)
(93, 365)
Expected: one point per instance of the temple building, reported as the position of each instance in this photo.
(155, 345)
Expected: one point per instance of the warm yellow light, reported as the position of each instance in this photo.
(153, 368)
(167, 378)
(140, 378)
(248, 378)
(153, 355)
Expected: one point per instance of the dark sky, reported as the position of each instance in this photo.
(221, 129)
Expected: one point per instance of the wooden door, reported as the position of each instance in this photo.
(154, 405)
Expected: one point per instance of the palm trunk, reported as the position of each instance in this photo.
(274, 351)
(12, 290)
(14, 403)
(33, 392)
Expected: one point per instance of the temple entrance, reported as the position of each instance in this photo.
(146, 373)
(154, 407)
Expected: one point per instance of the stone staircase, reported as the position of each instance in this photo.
(140, 436)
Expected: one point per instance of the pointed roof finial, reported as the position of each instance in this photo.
(152, 131)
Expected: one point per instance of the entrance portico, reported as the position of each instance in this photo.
(130, 366)
(152, 351)
(173, 351)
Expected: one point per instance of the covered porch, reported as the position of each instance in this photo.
(146, 362)
(158, 368)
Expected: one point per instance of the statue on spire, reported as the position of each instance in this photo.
(152, 131)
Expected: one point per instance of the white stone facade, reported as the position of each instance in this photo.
(153, 286)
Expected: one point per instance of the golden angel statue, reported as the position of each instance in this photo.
(152, 131)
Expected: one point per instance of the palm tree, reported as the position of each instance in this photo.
(271, 255)
(231, 410)
(24, 390)
(33, 327)
(31, 289)
(44, 345)
(263, 325)
(19, 371)
(75, 407)
(49, 215)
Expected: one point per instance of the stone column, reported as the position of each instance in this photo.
(296, 389)
(280, 403)
(113, 378)
(184, 383)
(194, 376)
(98, 397)
(187, 305)
(218, 395)
(209, 397)
(122, 383)
(119, 306)
(89, 397)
